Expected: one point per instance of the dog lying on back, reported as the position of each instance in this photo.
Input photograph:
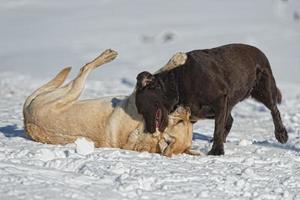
(211, 82)
(54, 115)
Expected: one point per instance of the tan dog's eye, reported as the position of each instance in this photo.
(179, 121)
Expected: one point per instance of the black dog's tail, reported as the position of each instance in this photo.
(266, 87)
(268, 74)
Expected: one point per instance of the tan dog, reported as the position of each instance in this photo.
(53, 114)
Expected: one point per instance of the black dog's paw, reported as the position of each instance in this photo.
(282, 136)
(216, 151)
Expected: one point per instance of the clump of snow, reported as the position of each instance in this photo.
(244, 142)
(84, 146)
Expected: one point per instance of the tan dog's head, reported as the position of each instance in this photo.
(177, 138)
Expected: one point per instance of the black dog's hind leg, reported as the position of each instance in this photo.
(280, 131)
(221, 112)
(228, 126)
(267, 93)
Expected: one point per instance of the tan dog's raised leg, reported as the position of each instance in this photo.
(177, 60)
(72, 90)
(56, 82)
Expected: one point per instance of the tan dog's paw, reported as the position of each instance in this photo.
(105, 57)
(179, 58)
(166, 145)
(194, 153)
(108, 55)
(162, 146)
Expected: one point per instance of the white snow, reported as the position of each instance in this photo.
(40, 37)
(84, 146)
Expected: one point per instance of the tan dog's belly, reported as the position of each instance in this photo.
(50, 124)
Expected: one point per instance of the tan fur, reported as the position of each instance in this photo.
(54, 115)
(176, 139)
(176, 60)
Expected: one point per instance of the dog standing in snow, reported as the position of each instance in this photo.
(211, 82)
(53, 114)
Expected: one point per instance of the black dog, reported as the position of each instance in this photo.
(211, 83)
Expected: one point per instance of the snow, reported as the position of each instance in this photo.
(84, 146)
(39, 38)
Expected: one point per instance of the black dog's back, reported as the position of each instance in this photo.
(234, 69)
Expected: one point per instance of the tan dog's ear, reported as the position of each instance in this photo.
(188, 113)
(144, 79)
(182, 113)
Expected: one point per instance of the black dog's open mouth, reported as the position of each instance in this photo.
(158, 118)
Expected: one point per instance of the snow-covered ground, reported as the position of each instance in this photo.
(39, 37)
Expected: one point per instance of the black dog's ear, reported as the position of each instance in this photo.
(143, 79)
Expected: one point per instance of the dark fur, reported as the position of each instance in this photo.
(211, 83)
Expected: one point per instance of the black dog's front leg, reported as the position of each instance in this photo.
(221, 111)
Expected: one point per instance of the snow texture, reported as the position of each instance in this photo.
(39, 37)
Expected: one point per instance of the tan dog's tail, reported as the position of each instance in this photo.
(56, 82)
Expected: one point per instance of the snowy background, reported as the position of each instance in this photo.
(38, 38)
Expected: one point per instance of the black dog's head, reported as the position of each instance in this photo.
(155, 99)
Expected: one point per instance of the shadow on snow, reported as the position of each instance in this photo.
(13, 131)
(277, 145)
(199, 136)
